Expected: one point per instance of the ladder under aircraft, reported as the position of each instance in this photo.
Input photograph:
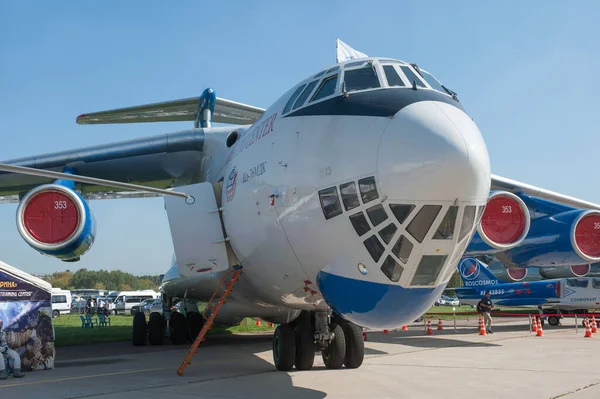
(228, 285)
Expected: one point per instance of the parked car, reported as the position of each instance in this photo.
(153, 306)
(142, 306)
(448, 301)
(128, 299)
(61, 302)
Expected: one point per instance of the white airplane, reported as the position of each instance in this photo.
(348, 202)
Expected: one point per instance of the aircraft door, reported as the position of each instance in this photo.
(196, 230)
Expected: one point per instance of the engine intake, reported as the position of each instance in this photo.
(56, 221)
(585, 236)
(505, 221)
(581, 270)
(516, 274)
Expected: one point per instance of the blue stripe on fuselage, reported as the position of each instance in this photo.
(384, 102)
(375, 305)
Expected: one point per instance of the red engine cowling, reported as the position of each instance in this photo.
(517, 274)
(505, 221)
(56, 221)
(581, 270)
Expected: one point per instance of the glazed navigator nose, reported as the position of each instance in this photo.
(433, 151)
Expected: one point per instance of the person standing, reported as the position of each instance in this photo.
(485, 307)
(8, 354)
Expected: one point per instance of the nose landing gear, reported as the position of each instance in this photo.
(339, 341)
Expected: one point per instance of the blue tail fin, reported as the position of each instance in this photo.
(473, 272)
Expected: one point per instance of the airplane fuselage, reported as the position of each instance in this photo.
(363, 202)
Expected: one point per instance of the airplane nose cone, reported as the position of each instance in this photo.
(433, 151)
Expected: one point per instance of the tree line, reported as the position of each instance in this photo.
(114, 280)
(117, 280)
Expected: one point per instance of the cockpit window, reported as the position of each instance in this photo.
(361, 79)
(293, 98)
(435, 85)
(412, 77)
(309, 88)
(326, 89)
(335, 68)
(576, 282)
(392, 76)
(320, 74)
(330, 202)
(596, 283)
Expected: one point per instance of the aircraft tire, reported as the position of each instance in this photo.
(284, 347)
(355, 346)
(335, 353)
(553, 320)
(196, 323)
(139, 330)
(156, 329)
(179, 331)
(305, 347)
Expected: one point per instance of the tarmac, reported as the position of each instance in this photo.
(401, 364)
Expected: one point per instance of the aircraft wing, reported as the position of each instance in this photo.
(502, 183)
(162, 161)
(226, 111)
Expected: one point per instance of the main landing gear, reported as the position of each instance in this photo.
(339, 341)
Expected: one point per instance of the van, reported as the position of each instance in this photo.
(61, 302)
(128, 299)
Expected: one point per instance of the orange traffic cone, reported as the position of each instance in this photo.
(594, 325)
(429, 330)
(534, 324)
(404, 328)
(440, 324)
(482, 327)
(540, 331)
(588, 330)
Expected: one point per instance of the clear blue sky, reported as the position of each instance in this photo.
(525, 71)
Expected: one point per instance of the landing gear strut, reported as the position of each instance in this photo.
(339, 341)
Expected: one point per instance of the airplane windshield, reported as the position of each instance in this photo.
(575, 282)
(596, 283)
(361, 79)
(433, 82)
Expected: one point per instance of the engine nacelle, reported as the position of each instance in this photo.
(505, 273)
(516, 274)
(562, 239)
(504, 224)
(573, 271)
(56, 221)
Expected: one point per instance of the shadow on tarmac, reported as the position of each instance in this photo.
(234, 371)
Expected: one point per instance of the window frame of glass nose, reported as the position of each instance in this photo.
(327, 193)
(353, 86)
(365, 198)
(350, 199)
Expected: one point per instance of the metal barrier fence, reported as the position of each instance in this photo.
(530, 316)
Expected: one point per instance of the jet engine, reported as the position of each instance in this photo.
(504, 224)
(573, 271)
(580, 270)
(516, 274)
(56, 221)
(502, 272)
(562, 239)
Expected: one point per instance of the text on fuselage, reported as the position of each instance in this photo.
(257, 132)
